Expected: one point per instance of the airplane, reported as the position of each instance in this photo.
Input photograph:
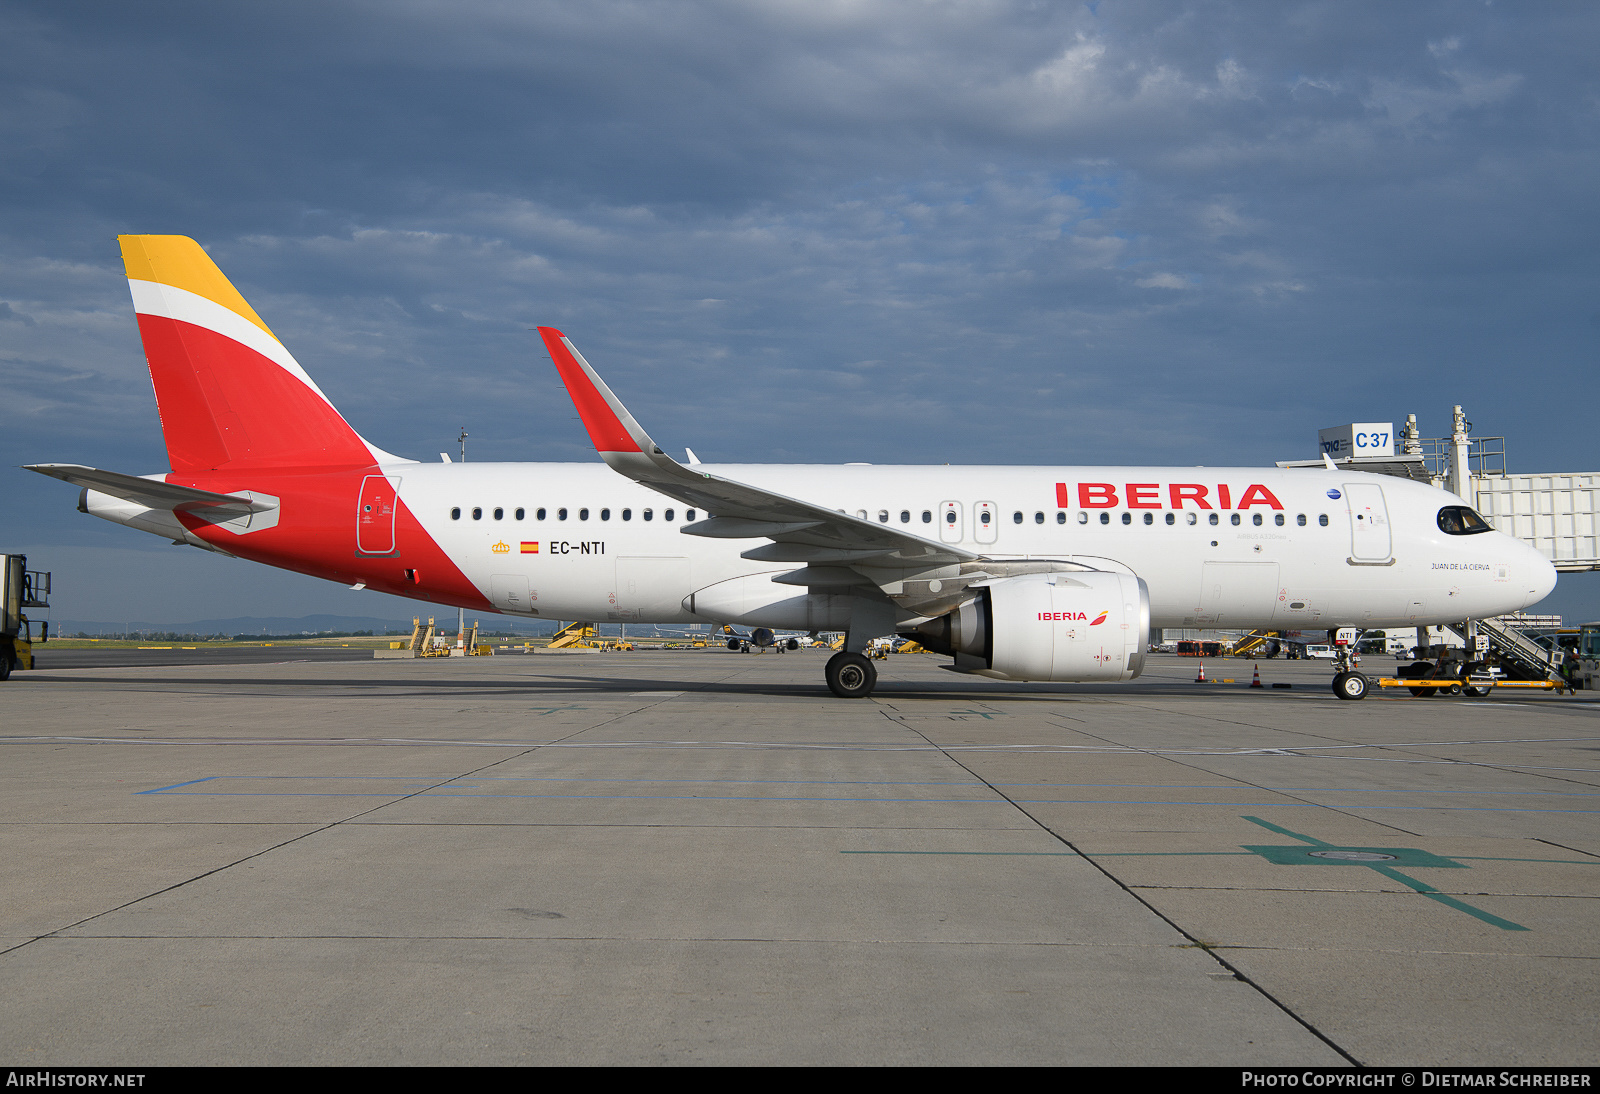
(1053, 574)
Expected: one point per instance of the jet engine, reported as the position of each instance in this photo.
(1083, 626)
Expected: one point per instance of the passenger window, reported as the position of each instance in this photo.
(1038, 518)
(950, 517)
(455, 514)
(1105, 518)
(1194, 518)
(1149, 518)
(986, 517)
(1016, 518)
(649, 514)
(561, 514)
(499, 514)
(583, 514)
(520, 513)
(1323, 520)
(1172, 518)
(1127, 518)
(666, 514)
(538, 514)
(1083, 518)
(688, 514)
(905, 516)
(1061, 516)
(627, 514)
(1234, 520)
(883, 516)
(1255, 518)
(927, 516)
(1216, 519)
(605, 514)
(1278, 519)
(1300, 520)
(477, 514)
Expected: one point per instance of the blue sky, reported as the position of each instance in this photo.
(893, 232)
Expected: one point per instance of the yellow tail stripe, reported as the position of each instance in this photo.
(178, 261)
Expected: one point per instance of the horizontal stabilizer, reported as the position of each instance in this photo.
(153, 493)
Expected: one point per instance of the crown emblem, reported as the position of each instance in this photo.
(501, 548)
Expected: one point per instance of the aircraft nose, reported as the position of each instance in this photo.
(1541, 577)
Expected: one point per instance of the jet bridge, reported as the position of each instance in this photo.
(1557, 514)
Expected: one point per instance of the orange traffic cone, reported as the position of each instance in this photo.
(1256, 682)
(1202, 677)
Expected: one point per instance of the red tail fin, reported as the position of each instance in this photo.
(230, 395)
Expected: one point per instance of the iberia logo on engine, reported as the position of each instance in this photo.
(1073, 617)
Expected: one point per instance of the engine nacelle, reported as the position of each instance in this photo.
(1084, 626)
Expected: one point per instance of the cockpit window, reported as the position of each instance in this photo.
(1458, 520)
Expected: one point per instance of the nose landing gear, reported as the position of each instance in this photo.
(1350, 685)
(1347, 682)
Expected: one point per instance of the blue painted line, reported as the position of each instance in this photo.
(586, 797)
(174, 786)
(441, 793)
(918, 782)
(1306, 805)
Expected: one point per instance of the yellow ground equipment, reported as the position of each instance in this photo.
(1255, 644)
(20, 588)
(573, 636)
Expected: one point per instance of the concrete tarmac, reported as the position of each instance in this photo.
(703, 857)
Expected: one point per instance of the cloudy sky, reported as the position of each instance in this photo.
(983, 232)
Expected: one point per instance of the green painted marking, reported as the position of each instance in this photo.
(1562, 861)
(1387, 871)
(1291, 855)
(1449, 901)
(1025, 854)
(1162, 854)
(1285, 832)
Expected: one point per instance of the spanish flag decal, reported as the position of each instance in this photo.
(530, 547)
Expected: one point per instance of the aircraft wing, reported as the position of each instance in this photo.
(152, 493)
(800, 530)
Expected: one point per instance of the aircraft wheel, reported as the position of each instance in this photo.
(850, 676)
(1350, 685)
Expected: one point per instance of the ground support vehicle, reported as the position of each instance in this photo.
(20, 588)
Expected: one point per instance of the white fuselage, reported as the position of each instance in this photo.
(1217, 547)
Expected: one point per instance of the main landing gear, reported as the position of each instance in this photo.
(851, 676)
